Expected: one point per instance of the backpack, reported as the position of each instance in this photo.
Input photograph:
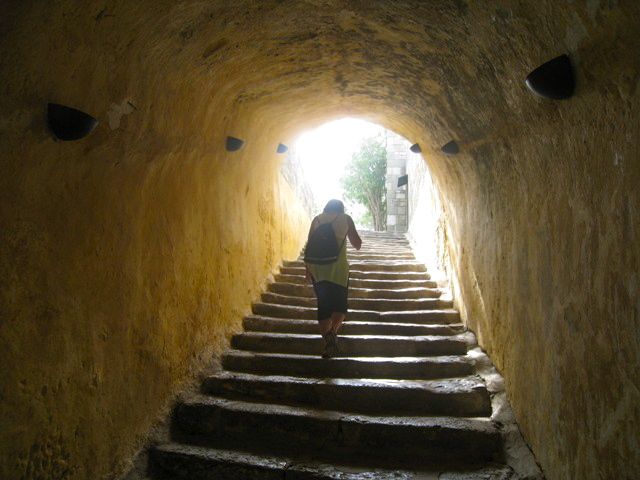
(322, 247)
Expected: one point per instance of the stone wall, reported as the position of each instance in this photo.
(129, 257)
(426, 219)
(293, 172)
(397, 197)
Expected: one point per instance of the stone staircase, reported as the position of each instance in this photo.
(401, 400)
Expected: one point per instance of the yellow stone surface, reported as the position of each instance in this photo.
(126, 258)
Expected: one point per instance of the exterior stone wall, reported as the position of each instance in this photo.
(292, 171)
(397, 197)
(426, 218)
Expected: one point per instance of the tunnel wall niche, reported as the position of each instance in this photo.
(121, 253)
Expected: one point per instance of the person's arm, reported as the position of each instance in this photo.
(352, 234)
(312, 227)
(307, 272)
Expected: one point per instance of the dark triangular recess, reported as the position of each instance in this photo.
(233, 144)
(553, 79)
(451, 148)
(68, 123)
(415, 148)
(282, 148)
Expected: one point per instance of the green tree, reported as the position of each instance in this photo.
(364, 180)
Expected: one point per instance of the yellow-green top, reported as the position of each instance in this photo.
(337, 272)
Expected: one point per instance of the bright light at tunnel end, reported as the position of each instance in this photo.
(324, 153)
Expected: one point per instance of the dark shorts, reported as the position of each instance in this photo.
(331, 298)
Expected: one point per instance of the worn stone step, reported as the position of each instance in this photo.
(372, 266)
(377, 240)
(258, 323)
(383, 242)
(393, 251)
(375, 254)
(377, 250)
(460, 397)
(297, 290)
(400, 399)
(382, 255)
(207, 420)
(373, 246)
(372, 275)
(442, 315)
(392, 284)
(354, 367)
(353, 345)
(188, 462)
(375, 304)
(383, 238)
(364, 283)
(370, 246)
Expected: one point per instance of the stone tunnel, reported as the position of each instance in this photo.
(128, 258)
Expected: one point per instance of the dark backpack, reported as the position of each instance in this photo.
(322, 247)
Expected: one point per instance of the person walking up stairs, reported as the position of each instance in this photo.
(401, 399)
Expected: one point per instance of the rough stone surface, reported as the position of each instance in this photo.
(199, 463)
(371, 406)
(463, 396)
(375, 367)
(125, 253)
(270, 324)
(397, 154)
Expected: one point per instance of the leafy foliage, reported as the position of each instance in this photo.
(364, 180)
(364, 220)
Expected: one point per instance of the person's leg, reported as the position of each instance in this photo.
(325, 326)
(340, 307)
(327, 337)
(336, 321)
(324, 309)
(331, 300)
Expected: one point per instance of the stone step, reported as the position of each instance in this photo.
(371, 266)
(285, 429)
(392, 284)
(384, 242)
(354, 367)
(375, 304)
(400, 399)
(188, 462)
(382, 255)
(442, 315)
(353, 345)
(372, 244)
(378, 250)
(296, 290)
(379, 256)
(369, 275)
(459, 397)
(368, 244)
(384, 239)
(257, 323)
(360, 283)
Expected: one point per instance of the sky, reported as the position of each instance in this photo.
(325, 151)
